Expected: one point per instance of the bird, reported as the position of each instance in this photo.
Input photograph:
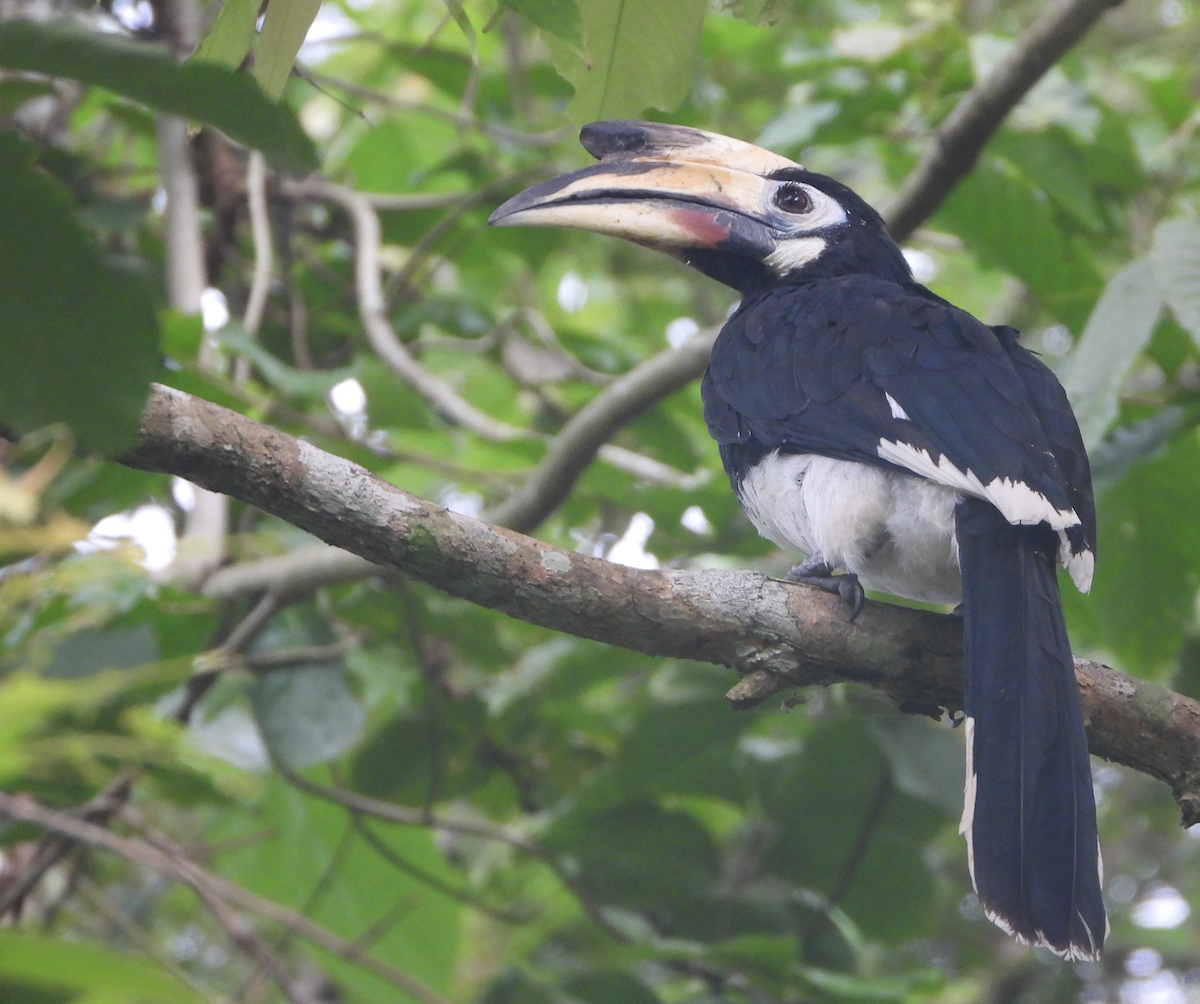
(902, 446)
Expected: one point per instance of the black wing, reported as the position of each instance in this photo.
(867, 370)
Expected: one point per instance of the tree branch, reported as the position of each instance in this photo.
(290, 576)
(213, 889)
(373, 310)
(402, 815)
(956, 145)
(260, 233)
(578, 442)
(776, 634)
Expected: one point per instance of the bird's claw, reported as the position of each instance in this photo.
(818, 573)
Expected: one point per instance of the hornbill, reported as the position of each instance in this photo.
(881, 431)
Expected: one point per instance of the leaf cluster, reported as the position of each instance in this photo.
(509, 815)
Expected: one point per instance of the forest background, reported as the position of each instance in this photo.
(443, 761)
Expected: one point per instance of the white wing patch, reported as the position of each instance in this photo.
(1017, 502)
(897, 410)
(1079, 566)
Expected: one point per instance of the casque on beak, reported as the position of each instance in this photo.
(665, 186)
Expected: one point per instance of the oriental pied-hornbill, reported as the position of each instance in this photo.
(880, 430)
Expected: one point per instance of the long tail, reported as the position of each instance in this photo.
(1029, 814)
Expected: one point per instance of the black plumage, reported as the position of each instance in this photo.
(866, 422)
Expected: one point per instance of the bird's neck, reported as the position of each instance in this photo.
(856, 253)
(846, 253)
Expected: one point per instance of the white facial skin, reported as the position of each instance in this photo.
(799, 210)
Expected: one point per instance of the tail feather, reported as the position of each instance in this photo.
(1029, 814)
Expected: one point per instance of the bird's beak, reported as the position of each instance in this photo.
(664, 186)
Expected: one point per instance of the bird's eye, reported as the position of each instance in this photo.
(793, 199)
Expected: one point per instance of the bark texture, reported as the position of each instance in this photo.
(774, 634)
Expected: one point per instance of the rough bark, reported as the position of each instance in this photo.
(774, 634)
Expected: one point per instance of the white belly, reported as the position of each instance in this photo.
(894, 531)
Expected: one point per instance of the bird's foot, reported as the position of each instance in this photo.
(816, 571)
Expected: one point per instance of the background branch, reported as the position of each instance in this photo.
(960, 139)
(373, 311)
(578, 442)
(213, 889)
(775, 634)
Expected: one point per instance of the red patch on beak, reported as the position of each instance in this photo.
(704, 225)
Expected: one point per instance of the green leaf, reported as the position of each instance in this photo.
(461, 18)
(638, 856)
(610, 986)
(843, 826)
(1051, 161)
(515, 987)
(90, 975)
(447, 70)
(93, 650)
(1119, 328)
(231, 34)
(284, 27)
(684, 749)
(559, 17)
(1130, 444)
(306, 713)
(293, 382)
(642, 54)
(196, 89)
(398, 761)
(1143, 598)
(841, 987)
(311, 859)
(181, 334)
(78, 335)
(926, 759)
(1006, 219)
(1176, 258)
(14, 93)
(1112, 161)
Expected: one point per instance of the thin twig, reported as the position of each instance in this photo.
(260, 232)
(52, 850)
(210, 887)
(408, 275)
(246, 941)
(292, 575)
(311, 902)
(303, 654)
(252, 623)
(102, 902)
(210, 666)
(402, 815)
(221, 660)
(956, 145)
(383, 339)
(589, 429)
(402, 864)
(872, 815)
(433, 671)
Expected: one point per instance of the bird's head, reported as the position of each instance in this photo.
(743, 215)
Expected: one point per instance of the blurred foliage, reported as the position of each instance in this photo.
(620, 837)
